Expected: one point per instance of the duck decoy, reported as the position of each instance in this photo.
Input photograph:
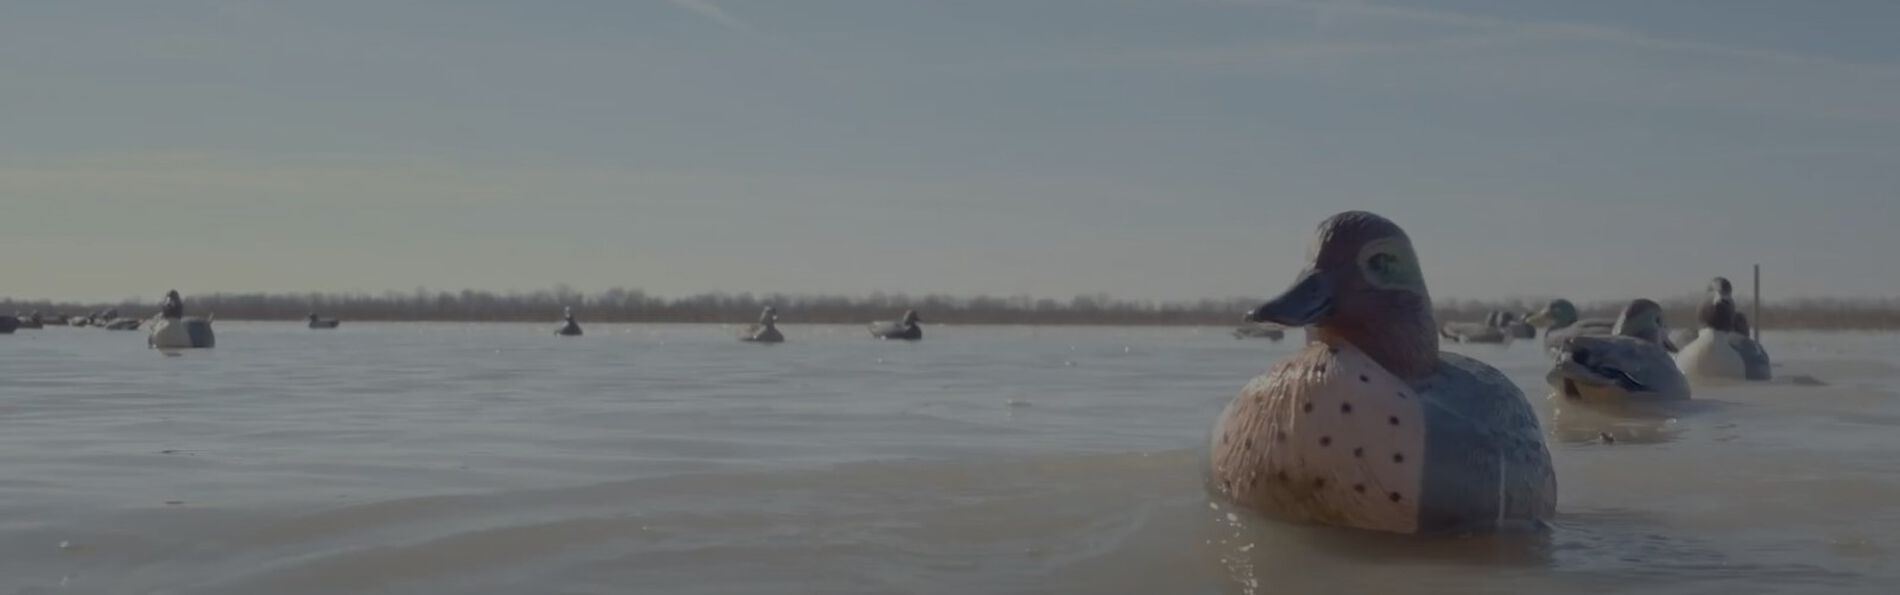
(905, 329)
(765, 330)
(569, 328)
(1370, 426)
(1475, 332)
(1272, 332)
(1514, 326)
(1628, 366)
(171, 329)
(1720, 351)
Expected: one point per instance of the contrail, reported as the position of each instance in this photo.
(706, 8)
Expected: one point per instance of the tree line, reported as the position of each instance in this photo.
(633, 305)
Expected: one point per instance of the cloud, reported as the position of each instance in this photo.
(1332, 14)
(1430, 52)
(713, 12)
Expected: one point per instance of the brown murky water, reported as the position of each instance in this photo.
(414, 458)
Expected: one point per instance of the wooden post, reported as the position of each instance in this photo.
(1757, 326)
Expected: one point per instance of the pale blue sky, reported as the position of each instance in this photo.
(1146, 148)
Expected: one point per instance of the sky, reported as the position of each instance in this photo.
(1146, 149)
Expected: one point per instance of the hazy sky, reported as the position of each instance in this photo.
(1146, 148)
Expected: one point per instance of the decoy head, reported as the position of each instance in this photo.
(1719, 311)
(1559, 313)
(1720, 288)
(1363, 285)
(1642, 319)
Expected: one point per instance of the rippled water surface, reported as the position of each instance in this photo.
(438, 458)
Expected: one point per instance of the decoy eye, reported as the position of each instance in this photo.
(1388, 264)
(1382, 263)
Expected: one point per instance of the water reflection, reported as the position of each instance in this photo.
(1265, 555)
(1591, 550)
(1573, 422)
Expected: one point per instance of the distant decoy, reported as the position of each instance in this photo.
(1514, 326)
(1720, 351)
(569, 328)
(765, 330)
(171, 329)
(905, 329)
(1475, 332)
(1272, 332)
(1628, 366)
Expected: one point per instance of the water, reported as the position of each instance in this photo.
(437, 458)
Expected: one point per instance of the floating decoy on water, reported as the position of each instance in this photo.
(1720, 351)
(1250, 330)
(1514, 326)
(1371, 426)
(765, 330)
(1475, 332)
(171, 329)
(569, 328)
(905, 329)
(1627, 366)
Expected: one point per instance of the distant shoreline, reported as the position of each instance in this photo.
(633, 306)
(786, 323)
